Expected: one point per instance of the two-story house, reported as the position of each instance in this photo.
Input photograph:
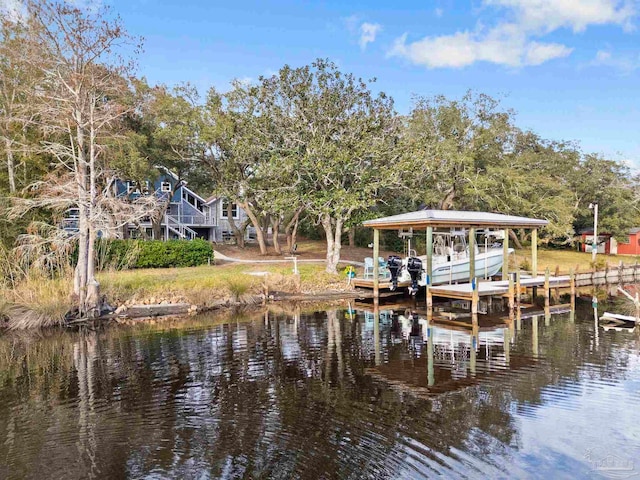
(187, 216)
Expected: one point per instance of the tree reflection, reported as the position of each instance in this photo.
(268, 394)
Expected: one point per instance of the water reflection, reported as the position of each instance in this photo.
(339, 393)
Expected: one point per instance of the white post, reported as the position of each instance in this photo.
(295, 264)
(594, 247)
(166, 227)
(486, 263)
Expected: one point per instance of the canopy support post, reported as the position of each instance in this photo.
(429, 265)
(505, 255)
(534, 259)
(472, 254)
(376, 265)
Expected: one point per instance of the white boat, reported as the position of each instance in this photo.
(451, 259)
(608, 316)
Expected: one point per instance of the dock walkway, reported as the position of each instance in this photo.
(464, 291)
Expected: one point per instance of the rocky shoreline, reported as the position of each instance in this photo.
(153, 308)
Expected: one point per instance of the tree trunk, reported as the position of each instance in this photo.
(92, 304)
(256, 224)
(80, 277)
(275, 226)
(333, 233)
(11, 170)
(522, 235)
(238, 232)
(156, 229)
(447, 201)
(294, 235)
(352, 236)
(291, 230)
(266, 221)
(516, 240)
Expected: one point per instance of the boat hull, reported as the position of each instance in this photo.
(487, 264)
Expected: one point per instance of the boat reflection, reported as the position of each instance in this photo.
(429, 356)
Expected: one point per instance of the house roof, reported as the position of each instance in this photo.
(169, 172)
(453, 218)
(589, 231)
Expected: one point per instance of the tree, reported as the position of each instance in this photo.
(17, 81)
(447, 143)
(609, 184)
(239, 145)
(531, 180)
(340, 138)
(79, 112)
(176, 120)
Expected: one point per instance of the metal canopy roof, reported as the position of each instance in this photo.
(453, 218)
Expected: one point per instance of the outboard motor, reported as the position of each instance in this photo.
(414, 267)
(394, 264)
(415, 326)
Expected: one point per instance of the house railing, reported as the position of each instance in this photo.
(179, 228)
(195, 219)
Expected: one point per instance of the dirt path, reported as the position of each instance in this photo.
(221, 256)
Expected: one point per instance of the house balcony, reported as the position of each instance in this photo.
(188, 220)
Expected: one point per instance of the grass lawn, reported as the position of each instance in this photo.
(567, 259)
(201, 285)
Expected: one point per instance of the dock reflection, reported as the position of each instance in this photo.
(429, 355)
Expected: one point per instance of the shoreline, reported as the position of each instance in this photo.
(158, 311)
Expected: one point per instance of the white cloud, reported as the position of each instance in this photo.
(549, 15)
(538, 53)
(514, 41)
(624, 63)
(499, 46)
(368, 33)
(439, 12)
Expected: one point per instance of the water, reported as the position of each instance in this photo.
(331, 394)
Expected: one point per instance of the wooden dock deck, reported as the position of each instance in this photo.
(464, 291)
(384, 283)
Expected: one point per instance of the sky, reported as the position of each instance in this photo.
(569, 68)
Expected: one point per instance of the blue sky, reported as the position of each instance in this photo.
(570, 68)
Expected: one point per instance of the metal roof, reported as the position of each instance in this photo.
(453, 218)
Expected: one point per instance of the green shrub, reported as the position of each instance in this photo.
(121, 254)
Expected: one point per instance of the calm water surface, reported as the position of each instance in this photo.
(331, 394)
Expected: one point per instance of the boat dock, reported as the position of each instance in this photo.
(509, 285)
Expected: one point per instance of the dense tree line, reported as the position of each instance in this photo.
(310, 144)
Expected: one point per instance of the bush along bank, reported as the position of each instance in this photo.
(127, 254)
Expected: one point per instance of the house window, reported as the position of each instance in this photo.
(186, 196)
(234, 210)
(165, 187)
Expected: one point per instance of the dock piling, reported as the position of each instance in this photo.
(547, 289)
(572, 286)
(376, 264)
(511, 294)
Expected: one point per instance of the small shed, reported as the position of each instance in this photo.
(632, 244)
(608, 245)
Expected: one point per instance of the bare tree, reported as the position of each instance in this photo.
(78, 109)
(17, 80)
